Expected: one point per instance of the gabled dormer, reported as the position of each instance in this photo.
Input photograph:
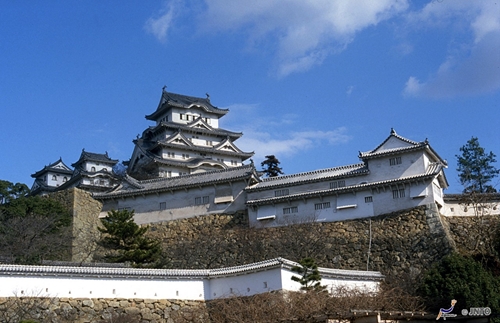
(227, 145)
(50, 177)
(94, 162)
(183, 109)
(200, 123)
(397, 156)
(178, 139)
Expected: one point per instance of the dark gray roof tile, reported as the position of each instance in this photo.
(184, 181)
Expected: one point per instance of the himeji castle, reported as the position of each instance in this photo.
(185, 165)
(186, 139)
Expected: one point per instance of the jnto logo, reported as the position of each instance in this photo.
(446, 312)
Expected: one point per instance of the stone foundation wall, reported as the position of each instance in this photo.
(85, 211)
(65, 310)
(401, 244)
(474, 234)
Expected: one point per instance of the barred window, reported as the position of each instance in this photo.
(282, 192)
(163, 205)
(368, 199)
(290, 210)
(394, 161)
(398, 193)
(201, 200)
(337, 184)
(320, 206)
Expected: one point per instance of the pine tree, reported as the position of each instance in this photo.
(271, 165)
(475, 167)
(310, 278)
(126, 240)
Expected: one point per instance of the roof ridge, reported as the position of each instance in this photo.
(154, 180)
(318, 171)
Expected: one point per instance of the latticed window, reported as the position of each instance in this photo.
(282, 192)
(320, 206)
(398, 193)
(290, 210)
(337, 184)
(394, 161)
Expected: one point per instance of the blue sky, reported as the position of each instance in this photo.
(312, 82)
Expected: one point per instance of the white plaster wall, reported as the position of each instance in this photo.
(331, 283)
(307, 212)
(383, 201)
(458, 209)
(98, 166)
(74, 287)
(179, 205)
(199, 288)
(246, 285)
(411, 164)
(59, 179)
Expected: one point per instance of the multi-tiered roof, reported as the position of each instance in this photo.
(186, 139)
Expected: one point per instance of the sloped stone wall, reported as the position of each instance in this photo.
(85, 211)
(401, 244)
(475, 234)
(65, 310)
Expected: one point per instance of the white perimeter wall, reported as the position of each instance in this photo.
(201, 288)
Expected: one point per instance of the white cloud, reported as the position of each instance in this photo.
(289, 144)
(258, 138)
(473, 67)
(304, 32)
(160, 24)
(413, 86)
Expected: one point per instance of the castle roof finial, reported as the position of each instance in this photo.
(164, 88)
(208, 96)
(393, 132)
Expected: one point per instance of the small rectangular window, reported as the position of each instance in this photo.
(163, 205)
(368, 199)
(398, 193)
(290, 210)
(394, 161)
(320, 206)
(282, 192)
(337, 184)
(201, 200)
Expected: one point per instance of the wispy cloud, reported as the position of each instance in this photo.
(305, 32)
(279, 142)
(473, 67)
(160, 23)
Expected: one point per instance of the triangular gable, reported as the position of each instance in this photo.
(227, 145)
(178, 139)
(199, 123)
(394, 141)
(60, 165)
